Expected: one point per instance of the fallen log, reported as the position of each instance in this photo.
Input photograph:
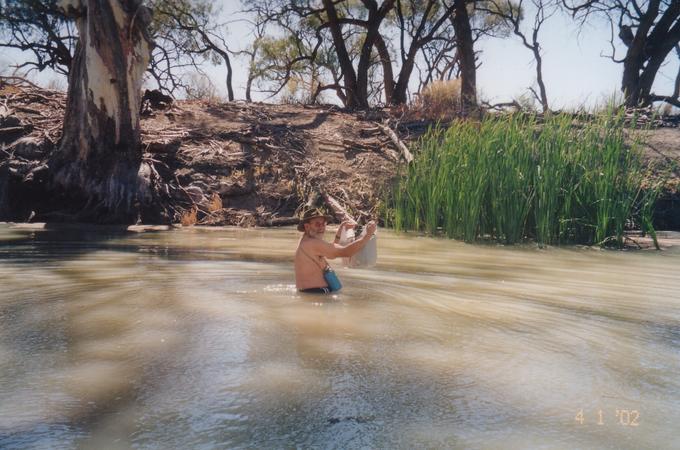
(11, 133)
(4, 195)
(339, 211)
(350, 144)
(14, 80)
(396, 141)
(167, 145)
(330, 143)
(282, 221)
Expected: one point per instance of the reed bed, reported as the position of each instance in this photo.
(557, 181)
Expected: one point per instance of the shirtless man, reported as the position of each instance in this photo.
(312, 251)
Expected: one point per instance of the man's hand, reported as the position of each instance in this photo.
(370, 228)
(347, 224)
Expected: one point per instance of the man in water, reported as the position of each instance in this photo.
(312, 251)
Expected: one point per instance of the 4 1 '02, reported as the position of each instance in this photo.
(624, 417)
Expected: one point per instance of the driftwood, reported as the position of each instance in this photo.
(501, 106)
(165, 145)
(14, 80)
(349, 144)
(282, 221)
(5, 112)
(28, 110)
(4, 180)
(12, 130)
(395, 139)
(9, 134)
(339, 212)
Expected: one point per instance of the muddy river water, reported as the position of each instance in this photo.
(197, 339)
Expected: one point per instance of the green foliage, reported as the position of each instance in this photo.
(187, 34)
(177, 20)
(41, 28)
(515, 178)
(276, 53)
(492, 22)
(38, 27)
(409, 29)
(279, 60)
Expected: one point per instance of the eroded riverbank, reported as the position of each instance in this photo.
(248, 164)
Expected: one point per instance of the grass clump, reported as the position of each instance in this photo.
(559, 181)
(436, 98)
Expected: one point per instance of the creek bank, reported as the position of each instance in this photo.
(247, 164)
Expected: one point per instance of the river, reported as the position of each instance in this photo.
(197, 339)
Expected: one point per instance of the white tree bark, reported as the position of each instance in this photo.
(99, 157)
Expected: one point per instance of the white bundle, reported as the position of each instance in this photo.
(366, 257)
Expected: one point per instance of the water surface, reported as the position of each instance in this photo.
(196, 338)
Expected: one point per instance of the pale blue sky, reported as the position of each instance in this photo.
(575, 73)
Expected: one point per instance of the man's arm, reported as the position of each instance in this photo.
(332, 251)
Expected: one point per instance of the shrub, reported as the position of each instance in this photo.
(439, 99)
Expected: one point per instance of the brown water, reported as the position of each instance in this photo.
(197, 339)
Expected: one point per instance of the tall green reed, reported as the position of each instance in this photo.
(561, 180)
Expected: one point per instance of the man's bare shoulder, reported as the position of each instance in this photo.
(316, 246)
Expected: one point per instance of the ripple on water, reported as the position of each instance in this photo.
(197, 338)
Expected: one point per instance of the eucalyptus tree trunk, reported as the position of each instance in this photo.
(388, 73)
(466, 52)
(543, 96)
(98, 162)
(376, 14)
(399, 95)
(352, 98)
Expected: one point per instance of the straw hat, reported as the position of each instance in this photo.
(312, 214)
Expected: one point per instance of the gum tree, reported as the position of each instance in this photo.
(42, 30)
(186, 34)
(98, 164)
(649, 30)
(364, 34)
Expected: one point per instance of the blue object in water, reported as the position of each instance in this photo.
(332, 279)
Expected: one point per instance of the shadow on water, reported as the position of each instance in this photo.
(60, 241)
(65, 312)
(197, 339)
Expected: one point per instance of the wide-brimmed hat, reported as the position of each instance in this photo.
(312, 214)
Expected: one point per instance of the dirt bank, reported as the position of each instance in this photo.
(234, 163)
(242, 164)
